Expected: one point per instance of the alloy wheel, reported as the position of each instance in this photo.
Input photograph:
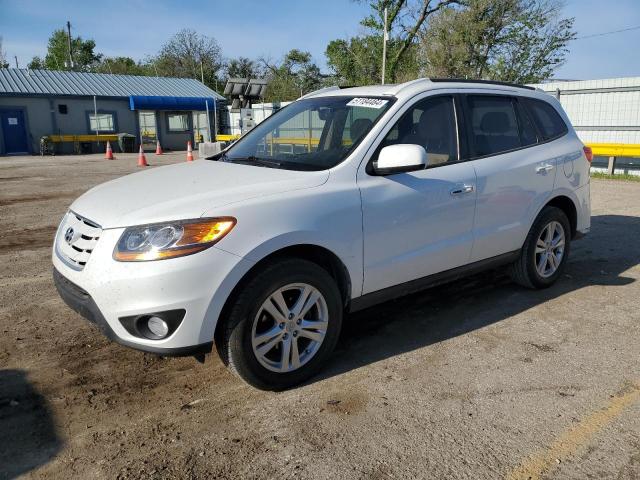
(550, 249)
(289, 327)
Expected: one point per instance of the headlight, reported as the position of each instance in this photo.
(170, 240)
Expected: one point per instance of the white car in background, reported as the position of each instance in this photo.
(341, 200)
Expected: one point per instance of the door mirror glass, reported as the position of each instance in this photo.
(400, 158)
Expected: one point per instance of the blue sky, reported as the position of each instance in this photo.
(269, 28)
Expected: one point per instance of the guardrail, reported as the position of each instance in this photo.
(613, 151)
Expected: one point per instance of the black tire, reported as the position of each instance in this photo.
(234, 340)
(523, 271)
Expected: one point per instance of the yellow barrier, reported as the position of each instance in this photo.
(615, 149)
(82, 138)
(281, 140)
(226, 138)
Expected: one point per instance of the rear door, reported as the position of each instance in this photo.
(14, 132)
(515, 174)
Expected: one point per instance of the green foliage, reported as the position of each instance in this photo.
(57, 57)
(510, 40)
(616, 176)
(522, 41)
(296, 75)
(123, 66)
(242, 67)
(358, 60)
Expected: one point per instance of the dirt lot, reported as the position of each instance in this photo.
(476, 379)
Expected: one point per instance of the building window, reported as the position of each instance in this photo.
(178, 122)
(62, 109)
(103, 122)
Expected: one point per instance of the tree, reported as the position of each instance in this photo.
(405, 20)
(520, 41)
(3, 56)
(189, 55)
(296, 75)
(358, 60)
(242, 67)
(123, 66)
(57, 57)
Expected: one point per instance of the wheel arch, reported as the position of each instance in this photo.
(317, 254)
(568, 206)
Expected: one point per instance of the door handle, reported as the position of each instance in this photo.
(544, 168)
(461, 189)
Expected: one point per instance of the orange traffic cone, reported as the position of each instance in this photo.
(158, 148)
(189, 152)
(142, 161)
(108, 155)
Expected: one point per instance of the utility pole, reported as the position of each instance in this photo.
(201, 72)
(69, 43)
(16, 59)
(385, 37)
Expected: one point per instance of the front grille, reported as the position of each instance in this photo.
(76, 239)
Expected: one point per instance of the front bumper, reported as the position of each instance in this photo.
(106, 291)
(81, 302)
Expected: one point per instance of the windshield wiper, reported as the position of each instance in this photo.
(252, 159)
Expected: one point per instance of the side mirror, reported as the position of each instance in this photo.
(400, 158)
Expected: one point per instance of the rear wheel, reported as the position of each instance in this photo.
(545, 250)
(283, 325)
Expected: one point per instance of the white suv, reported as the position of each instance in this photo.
(341, 200)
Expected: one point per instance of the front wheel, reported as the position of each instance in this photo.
(545, 251)
(282, 325)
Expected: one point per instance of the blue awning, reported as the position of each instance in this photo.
(143, 102)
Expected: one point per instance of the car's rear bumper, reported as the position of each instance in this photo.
(80, 301)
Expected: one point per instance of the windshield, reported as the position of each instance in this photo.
(310, 134)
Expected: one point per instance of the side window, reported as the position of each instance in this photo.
(103, 122)
(492, 125)
(430, 123)
(548, 120)
(528, 134)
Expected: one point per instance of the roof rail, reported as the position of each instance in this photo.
(486, 82)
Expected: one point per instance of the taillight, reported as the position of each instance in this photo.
(588, 153)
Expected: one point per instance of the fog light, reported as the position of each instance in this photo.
(158, 327)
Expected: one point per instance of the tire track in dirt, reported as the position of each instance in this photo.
(27, 238)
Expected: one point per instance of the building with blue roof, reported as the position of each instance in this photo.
(58, 104)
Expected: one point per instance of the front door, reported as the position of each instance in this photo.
(419, 223)
(14, 132)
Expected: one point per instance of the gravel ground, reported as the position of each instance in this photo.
(475, 379)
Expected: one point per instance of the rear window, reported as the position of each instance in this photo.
(493, 125)
(550, 124)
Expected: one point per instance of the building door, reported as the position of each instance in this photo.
(148, 129)
(200, 130)
(14, 132)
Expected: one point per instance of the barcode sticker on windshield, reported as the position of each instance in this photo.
(367, 102)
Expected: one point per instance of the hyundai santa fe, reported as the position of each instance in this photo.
(343, 199)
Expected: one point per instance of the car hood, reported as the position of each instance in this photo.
(185, 190)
